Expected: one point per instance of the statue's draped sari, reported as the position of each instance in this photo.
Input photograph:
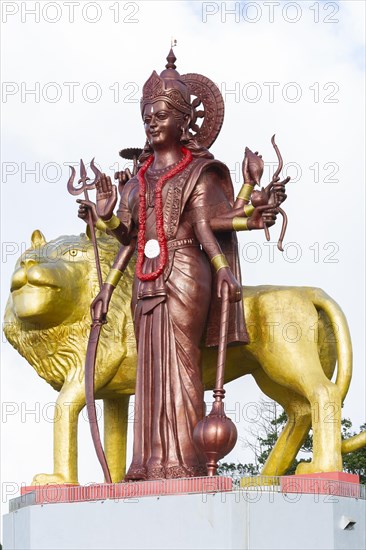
(175, 315)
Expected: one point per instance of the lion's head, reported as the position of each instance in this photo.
(47, 316)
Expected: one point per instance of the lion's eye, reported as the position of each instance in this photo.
(73, 254)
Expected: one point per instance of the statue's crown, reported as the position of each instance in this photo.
(168, 87)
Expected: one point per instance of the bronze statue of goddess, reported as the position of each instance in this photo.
(178, 211)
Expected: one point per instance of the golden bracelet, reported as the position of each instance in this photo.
(101, 225)
(245, 192)
(112, 223)
(248, 210)
(219, 261)
(240, 224)
(113, 277)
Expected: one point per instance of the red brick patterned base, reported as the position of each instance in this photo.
(52, 493)
(326, 483)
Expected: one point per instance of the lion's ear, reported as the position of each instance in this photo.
(38, 239)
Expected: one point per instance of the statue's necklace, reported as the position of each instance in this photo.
(141, 243)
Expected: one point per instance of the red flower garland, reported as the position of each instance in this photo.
(158, 214)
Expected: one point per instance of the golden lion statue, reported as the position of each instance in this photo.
(297, 335)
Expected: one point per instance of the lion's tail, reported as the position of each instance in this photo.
(354, 443)
(323, 302)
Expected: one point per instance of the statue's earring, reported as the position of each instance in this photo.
(185, 134)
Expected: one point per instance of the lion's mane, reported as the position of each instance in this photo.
(58, 353)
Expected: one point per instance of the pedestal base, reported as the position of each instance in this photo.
(53, 492)
(260, 518)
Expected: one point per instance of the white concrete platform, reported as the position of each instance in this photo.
(239, 519)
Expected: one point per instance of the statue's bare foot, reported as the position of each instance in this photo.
(44, 479)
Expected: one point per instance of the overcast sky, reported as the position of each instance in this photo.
(290, 68)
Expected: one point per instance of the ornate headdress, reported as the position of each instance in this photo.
(168, 87)
(176, 90)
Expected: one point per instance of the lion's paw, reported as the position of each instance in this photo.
(317, 467)
(305, 468)
(45, 479)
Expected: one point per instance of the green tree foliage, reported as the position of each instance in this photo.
(354, 463)
(264, 434)
(236, 470)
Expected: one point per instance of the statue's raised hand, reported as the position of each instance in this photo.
(252, 167)
(106, 197)
(123, 177)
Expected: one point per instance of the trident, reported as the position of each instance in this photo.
(91, 352)
(84, 186)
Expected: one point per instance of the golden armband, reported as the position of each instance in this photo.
(219, 261)
(248, 210)
(240, 224)
(112, 223)
(245, 192)
(101, 225)
(113, 277)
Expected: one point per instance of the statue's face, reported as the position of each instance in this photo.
(161, 126)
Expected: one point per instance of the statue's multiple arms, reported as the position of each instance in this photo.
(252, 209)
(104, 219)
(206, 199)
